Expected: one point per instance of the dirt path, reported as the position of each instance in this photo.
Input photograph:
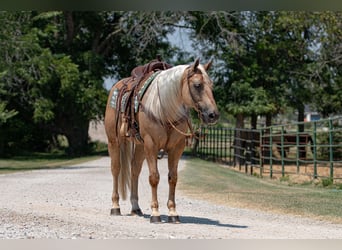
(74, 202)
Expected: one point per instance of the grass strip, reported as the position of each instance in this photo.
(213, 182)
(40, 161)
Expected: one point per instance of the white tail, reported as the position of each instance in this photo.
(126, 155)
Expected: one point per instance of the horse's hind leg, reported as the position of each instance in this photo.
(114, 152)
(137, 162)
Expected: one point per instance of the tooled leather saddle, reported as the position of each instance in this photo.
(128, 94)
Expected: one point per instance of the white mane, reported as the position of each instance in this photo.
(164, 98)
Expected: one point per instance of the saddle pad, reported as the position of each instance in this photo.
(124, 100)
(143, 89)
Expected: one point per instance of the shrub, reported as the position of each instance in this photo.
(327, 182)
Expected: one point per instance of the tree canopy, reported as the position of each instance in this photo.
(54, 63)
(270, 60)
(54, 66)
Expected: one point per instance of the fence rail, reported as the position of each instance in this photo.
(281, 150)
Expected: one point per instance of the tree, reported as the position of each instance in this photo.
(267, 61)
(15, 49)
(55, 64)
(326, 73)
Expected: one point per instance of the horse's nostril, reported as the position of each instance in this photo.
(211, 115)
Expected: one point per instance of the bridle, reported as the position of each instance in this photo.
(186, 117)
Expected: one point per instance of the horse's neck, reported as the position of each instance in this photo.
(165, 99)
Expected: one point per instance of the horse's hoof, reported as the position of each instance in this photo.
(174, 219)
(155, 219)
(137, 212)
(115, 211)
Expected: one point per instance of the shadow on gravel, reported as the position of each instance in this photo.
(198, 221)
(206, 221)
(78, 167)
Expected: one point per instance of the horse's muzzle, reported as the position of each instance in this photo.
(210, 116)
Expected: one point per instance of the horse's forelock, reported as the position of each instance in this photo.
(206, 77)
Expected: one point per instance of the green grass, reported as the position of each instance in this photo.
(40, 161)
(210, 181)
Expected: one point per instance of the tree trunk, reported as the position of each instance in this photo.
(77, 135)
(268, 120)
(2, 142)
(301, 115)
(254, 119)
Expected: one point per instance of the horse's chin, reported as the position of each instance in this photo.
(211, 123)
(208, 121)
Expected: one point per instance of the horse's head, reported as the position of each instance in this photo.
(197, 92)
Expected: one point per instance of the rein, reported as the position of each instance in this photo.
(181, 132)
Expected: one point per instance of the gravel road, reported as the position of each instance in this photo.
(74, 202)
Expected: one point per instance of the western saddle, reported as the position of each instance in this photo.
(128, 94)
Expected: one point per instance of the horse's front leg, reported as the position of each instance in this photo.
(137, 162)
(173, 159)
(151, 153)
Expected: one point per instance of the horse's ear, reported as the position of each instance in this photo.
(208, 65)
(195, 65)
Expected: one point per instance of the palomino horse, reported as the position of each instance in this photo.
(161, 123)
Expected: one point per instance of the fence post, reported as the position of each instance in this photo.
(261, 134)
(298, 149)
(230, 145)
(203, 149)
(252, 148)
(212, 144)
(218, 135)
(315, 149)
(282, 152)
(209, 142)
(271, 153)
(225, 144)
(198, 149)
(212, 138)
(246, 151)
(219, 142)
(331, 153)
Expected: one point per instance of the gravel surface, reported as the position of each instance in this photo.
(74, 202)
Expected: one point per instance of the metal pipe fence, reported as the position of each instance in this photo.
(277, 150)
